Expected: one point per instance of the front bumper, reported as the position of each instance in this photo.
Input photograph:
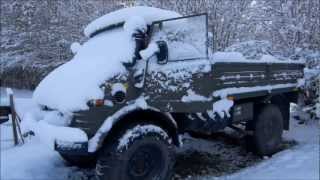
(61, 138)
(74, 148)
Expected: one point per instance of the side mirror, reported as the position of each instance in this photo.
(162, 55)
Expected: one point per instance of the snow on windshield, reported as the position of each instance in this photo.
(186, 37)
(149, 14)
(70, 86)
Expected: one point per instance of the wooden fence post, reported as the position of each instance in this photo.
(13, 119)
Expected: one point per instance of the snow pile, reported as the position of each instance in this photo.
(33, 160)
(137, 131)
(222, 107)
(149, 14)
(69, 87)
(50, 127)
(35, 115)
(192, 96)
(48, 133)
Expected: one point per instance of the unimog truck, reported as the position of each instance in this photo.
(146, 75)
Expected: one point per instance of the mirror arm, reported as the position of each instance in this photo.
(145, 73)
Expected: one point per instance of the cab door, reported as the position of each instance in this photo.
(184, 80)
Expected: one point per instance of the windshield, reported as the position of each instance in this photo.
(70, 86)
(186, 37)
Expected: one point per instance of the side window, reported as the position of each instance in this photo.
(186, 37)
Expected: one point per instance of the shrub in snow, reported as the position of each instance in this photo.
(309, 106)
(253, 49)
(311, 103)
(75, 47)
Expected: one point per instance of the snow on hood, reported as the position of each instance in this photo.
(69, 87)
(149, 14)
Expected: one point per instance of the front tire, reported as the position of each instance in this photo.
(267, 129)
(142, 152)
(81, 161)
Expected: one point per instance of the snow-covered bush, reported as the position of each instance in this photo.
(311, 100)
(75, 47)
(252, 49)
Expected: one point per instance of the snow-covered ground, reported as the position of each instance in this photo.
(298, 162)
(33, 160)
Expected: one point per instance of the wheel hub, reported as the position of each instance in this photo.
(142, 162)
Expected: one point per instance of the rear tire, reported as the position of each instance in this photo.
(267, 129)
(142, 152)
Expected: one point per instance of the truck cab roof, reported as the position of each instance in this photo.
(116, 18)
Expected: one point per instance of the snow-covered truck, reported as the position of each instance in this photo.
(144, 76)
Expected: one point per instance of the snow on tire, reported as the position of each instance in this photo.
(143, 151)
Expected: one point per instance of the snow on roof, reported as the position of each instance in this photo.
(149, 14)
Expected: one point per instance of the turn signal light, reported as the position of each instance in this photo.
(96, 103)
(99, 102)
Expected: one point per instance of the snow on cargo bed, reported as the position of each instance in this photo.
(149, 14)
(238, 57)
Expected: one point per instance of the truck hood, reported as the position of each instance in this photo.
(69, 87)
